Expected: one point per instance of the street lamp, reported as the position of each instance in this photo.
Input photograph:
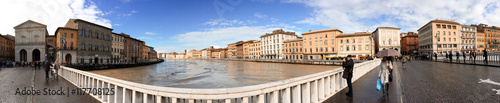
(62, 47)
(437, 45)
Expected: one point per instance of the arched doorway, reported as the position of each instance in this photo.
(96, 60)
(68, 58)
(23, 55)
(36, 55)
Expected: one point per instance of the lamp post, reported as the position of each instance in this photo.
(63, 44)
(371, 44)
(437, 43)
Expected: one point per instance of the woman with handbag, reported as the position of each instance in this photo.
(383, 75)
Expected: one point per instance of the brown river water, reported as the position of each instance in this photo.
(190, 73)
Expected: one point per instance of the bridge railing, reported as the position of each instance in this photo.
(312, 88)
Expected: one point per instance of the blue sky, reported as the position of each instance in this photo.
(175, 25)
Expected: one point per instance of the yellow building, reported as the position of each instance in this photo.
(491, 36)
(481, 42)
(66, 44)
(357, 44)
(294, 49)
(7, 48)
(255, 50)
(233, 50)
(439, 36)
(247, 48)
(320, 43)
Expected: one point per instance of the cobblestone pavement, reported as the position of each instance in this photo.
(21, 77)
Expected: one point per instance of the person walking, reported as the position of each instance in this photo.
(46, 66)
(436, 56)
(485, 55)
(57, 65)
(474, 55)
(451, 56)
(458, 57)
(348, 65)
(463, 54)
(470, 55)
(383, 75)
(446, 56)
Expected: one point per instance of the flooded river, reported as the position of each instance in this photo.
(211, 73)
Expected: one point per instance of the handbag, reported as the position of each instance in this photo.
(345, 74)
(379, 85)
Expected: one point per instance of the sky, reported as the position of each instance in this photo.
(177, 25)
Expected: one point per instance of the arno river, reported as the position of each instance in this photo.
(212, 73)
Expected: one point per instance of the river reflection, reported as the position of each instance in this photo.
(189, 73)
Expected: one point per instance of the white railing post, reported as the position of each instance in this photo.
(321, 90)
(306, 93)
(332, 84)
(274, 97)
(245, 100)
(228, 100)
(109, 88)
(286, 95)
(174, 100)
(124, 95)
(116, 94)
(314, 93)
(260, 98)
(158, 99)
(296, 94)
(209, 101)
(133, 96)
(190, 101)
(144, 98)
(327, 86)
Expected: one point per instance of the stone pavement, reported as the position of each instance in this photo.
(20, 77)
(365, 92)
(438, 82)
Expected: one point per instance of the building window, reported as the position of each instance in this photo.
(83, 33)
(71, 35)
(326, 35)
(326, 42)
(367, 47)
(347, 41)
(90, 34)
(353, 48)
(347, 48)
(65, 35)
(341, 41)
(341, 48)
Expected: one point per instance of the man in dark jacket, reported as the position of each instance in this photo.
(463, 53)
(46, 66)
(451, 56)
(458, 56)
(436, 56)
(348, 65)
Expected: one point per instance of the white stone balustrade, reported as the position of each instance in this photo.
(314, 88)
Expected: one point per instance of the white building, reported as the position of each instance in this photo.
(272, 43)
(468, 38)
(30, 41)
(387, 38)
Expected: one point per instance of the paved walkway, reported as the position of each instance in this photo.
(364, 90)
(20, 77)
(438, 82)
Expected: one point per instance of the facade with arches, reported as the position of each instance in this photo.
(30, 41)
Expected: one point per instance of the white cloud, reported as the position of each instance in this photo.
(150, 33)
(225, 22)
(359, 15)
(259, 15)
(53, 13)
(142, 38)
(128, 14)
(217, 37)
(117, 24)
